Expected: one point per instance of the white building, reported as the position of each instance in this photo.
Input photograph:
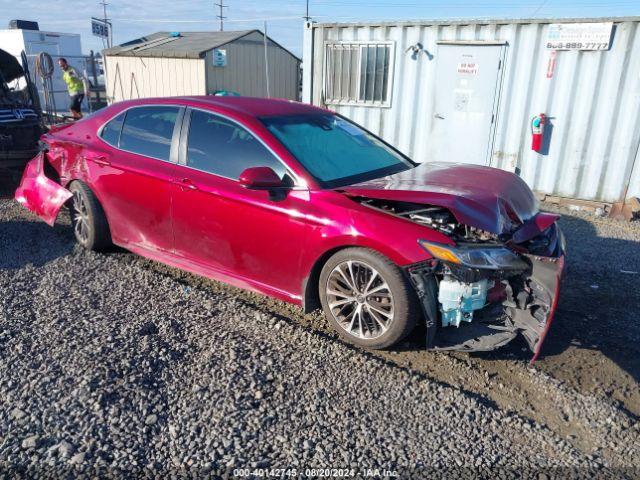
(201, 63)
(56, 44)
(466, 91)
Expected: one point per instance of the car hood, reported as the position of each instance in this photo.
(486, 198)
(9, 66)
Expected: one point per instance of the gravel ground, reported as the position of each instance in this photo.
(112, 364)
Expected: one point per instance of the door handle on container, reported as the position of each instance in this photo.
(185, 184)
(438, 116)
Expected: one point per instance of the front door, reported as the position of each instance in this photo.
(467, 86)
(239, 234)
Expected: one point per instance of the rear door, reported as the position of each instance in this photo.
(132, 170)
(223, 226)
(466, 97)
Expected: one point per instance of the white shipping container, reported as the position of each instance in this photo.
(32, 42)
(467, 90)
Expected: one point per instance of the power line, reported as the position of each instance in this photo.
(221, 15)
(539, 8)
(596, 3)
(239, 20)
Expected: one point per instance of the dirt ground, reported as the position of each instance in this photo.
(590, 367)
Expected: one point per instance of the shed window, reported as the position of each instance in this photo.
(358, 73)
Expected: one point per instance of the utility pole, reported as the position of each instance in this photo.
(221, 16)
(107, 22)
(307, 17)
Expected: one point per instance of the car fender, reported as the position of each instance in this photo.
(363, 227)
(70, 162)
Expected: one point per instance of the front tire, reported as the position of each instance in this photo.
(367, 298)
(89, 222)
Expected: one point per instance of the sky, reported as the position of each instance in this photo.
(133, 19)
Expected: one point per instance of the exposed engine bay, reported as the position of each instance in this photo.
(438, 218)
(482, 293)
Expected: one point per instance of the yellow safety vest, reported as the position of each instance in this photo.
(74, 83)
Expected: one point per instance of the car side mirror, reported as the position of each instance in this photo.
(260, 178)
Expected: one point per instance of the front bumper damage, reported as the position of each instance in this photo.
(38, 193)
(519, 303)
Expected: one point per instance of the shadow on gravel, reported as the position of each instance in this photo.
(24, 242)
(599, 303)
(9, 181)
(372, 356)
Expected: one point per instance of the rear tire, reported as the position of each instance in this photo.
(89, 222)
(367, 298)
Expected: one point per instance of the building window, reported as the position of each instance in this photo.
(358, 73)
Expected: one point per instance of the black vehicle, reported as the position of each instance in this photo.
(20, 115)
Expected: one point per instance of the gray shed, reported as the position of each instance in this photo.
(200, 63)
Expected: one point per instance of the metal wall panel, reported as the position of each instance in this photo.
(245, 70)
(244, 73)
(593, 99)
(142, 77)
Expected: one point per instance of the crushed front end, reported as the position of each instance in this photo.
(489, 288)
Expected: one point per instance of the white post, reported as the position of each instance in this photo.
(266, 60)
(307, 62)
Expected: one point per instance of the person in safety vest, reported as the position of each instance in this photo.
(75, 86)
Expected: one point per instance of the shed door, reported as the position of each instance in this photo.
(467, 85)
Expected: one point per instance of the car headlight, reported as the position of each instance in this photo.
(480, 256)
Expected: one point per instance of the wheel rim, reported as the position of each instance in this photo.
(80, 218)
(360, 299)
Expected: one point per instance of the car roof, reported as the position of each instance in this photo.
(250, 106)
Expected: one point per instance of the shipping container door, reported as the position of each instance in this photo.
(466, 97)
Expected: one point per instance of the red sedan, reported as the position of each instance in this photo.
(302, 204)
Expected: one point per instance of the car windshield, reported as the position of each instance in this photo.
(335, 151)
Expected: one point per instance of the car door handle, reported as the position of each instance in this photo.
(185, 184)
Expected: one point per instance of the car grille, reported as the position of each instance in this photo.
(10, 115)
(16, 136)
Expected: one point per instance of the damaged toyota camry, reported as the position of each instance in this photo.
(301, 204)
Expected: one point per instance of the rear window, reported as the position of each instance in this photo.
(111, 131)
(148, 131)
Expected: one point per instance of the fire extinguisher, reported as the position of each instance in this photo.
(537, 131)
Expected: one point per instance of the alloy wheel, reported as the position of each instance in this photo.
(80, 217)
(360, 300)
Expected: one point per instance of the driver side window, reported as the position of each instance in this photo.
(224, 148)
